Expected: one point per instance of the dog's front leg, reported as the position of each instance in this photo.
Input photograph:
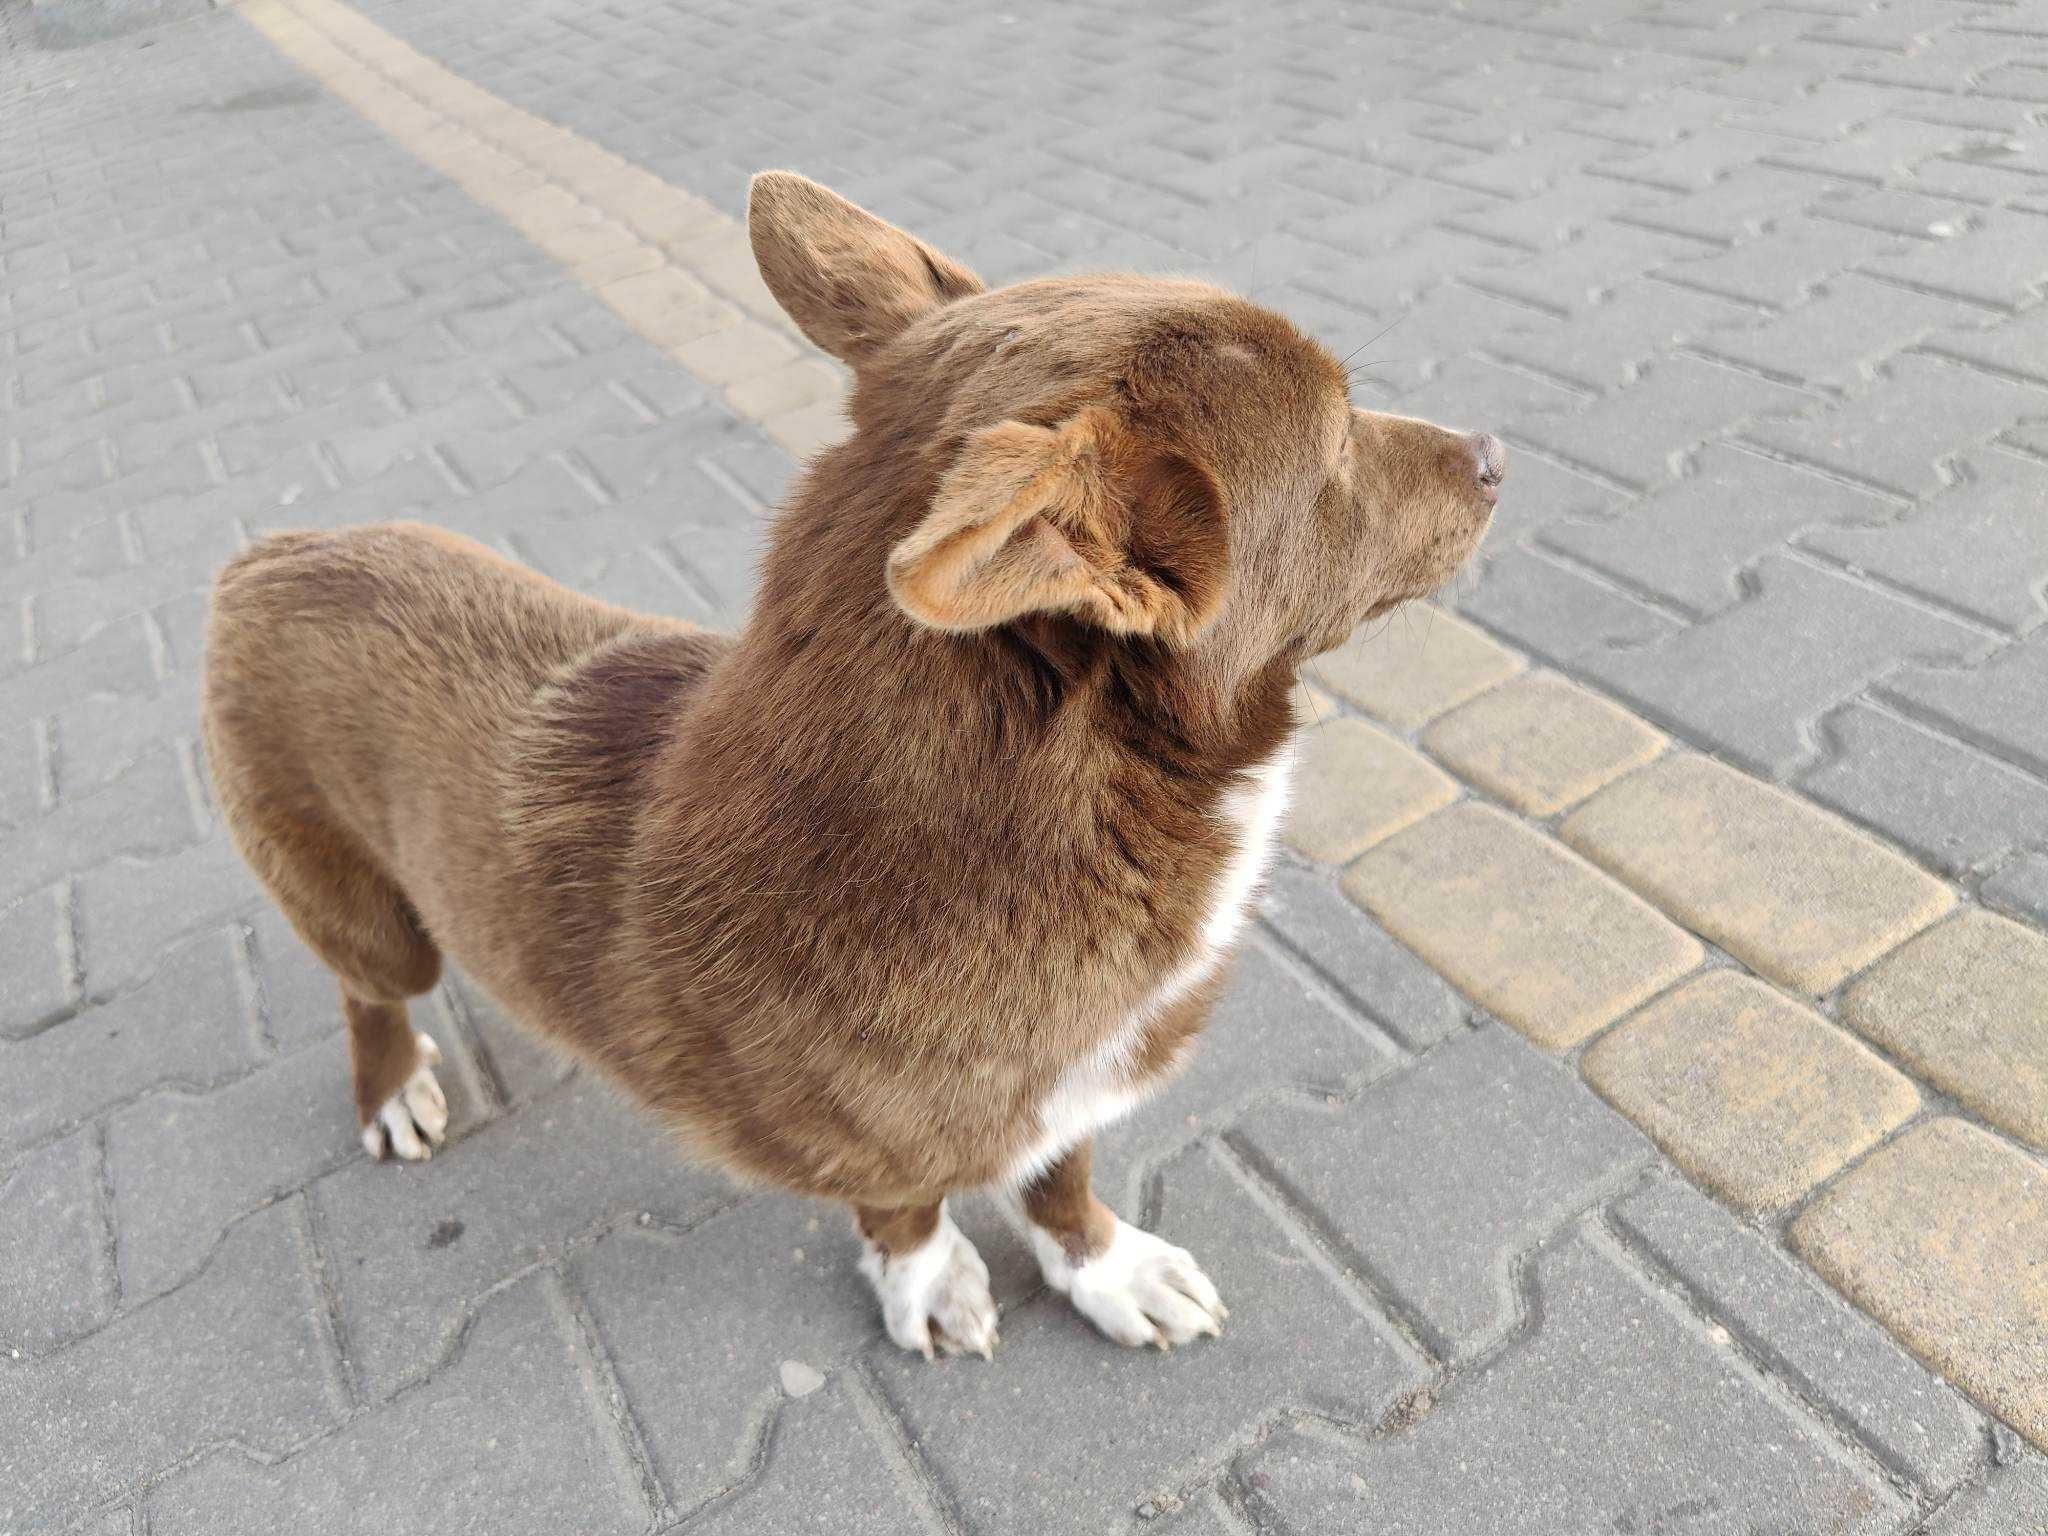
(1137, 1288)
(932, 1284)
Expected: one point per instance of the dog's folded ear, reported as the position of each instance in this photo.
(1087, 519)
(849, 280)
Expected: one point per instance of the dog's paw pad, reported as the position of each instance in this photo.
(936, 1296)
(1143, 1290)
(414, 1120)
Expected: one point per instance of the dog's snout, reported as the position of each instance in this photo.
(1489, 461)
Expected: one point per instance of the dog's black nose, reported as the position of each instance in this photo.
(1489, 461)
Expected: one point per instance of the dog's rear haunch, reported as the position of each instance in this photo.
(931, 870)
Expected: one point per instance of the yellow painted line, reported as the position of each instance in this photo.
(672, 266)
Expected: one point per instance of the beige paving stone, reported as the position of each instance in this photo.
(547, 208)
(664, 214)
(1799, 895)
(1943, 1237)
(1412, 666)
(1754, 1095)
(724, 258)
(576, 244)
(668, 307)
(788, 388)
(809, 428)
(735, 352)
(1519, 923)
(1965, 1005)
(625, 261)
(1355, 786)
(1541, 743)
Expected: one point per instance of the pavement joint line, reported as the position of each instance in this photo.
(679, 272)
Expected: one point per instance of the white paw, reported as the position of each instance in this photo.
(414, 1120)
(935, 1294)
(1139, 1290)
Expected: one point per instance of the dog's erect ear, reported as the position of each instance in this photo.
(1086, 519)
(850, 281)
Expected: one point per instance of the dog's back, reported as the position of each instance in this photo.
(400, 724)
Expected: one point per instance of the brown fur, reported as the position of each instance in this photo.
(840, 898)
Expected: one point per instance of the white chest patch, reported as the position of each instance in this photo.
(1097, 1089)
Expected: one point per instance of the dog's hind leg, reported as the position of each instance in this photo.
(398, 1102)
(356, 919)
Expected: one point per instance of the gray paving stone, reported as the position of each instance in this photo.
(125, 912)
(97, 739)
(56, 1275)
(1272, 1031)
(237, 1354)
(1980, 547)
(510, 1433)
(184, 1164)
(823, 1472)
(411, 1249)
(1605, 345)
(143, 813)
(1691, 542)
(1390, 1175)
(1840, 332)
(1925, 412)
(1558, 613)
(2014, 347)
(1827, 1351)
(2021, 888)
(1722, 682)
(2011, 1500)
(116, 660)
(1619, 1412)
(701, 1377)
(1067, 1432)
(185, 1024)
(1676, 405)
(1386, 982)
(2000, 260)
(1786, 264)
(38, 974)
(21, 773)
(1983, 704)
(1950, 804)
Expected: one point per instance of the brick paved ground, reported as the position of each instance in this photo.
(1599, 1135)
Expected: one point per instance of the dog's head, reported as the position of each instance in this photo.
(1151, 457)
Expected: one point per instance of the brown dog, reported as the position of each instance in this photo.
(930, 871)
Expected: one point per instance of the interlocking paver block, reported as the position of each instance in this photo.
(1392, 1175)
(1355, 786)
(1386, 982)
(1296, 1334)
(1940, 1237)
(1519, 924)
(823, 1471)
(505, 1436)
(1828, 1351)
(1966, 1006)
(1408, 670)
(238, 1354)
(2011, 1498)
(1540, 743)
(1728, 683)
(1752, 1094)
(1952, 804)
(1691, 542)
(1780, 885)
(1618, 1413)
(668, 307)
(420, 1250)
(698, 1374)
(1989, 704)
(56, 1278)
